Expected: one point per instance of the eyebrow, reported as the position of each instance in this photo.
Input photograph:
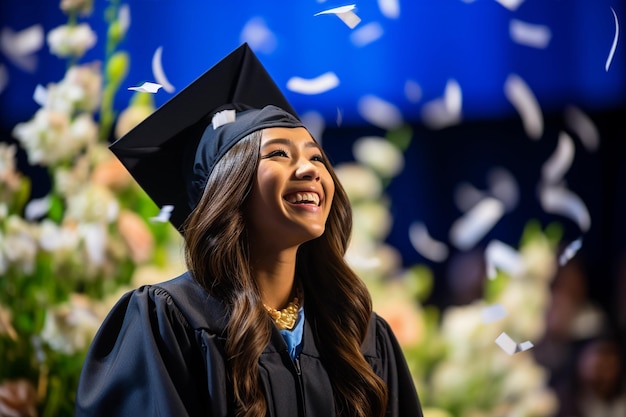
(289, 142)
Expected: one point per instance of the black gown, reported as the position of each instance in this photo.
(160, 353)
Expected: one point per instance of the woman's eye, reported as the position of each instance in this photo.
(278, 152)
(318, 158)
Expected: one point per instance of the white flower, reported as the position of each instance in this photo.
(88, 79)
(379, 154)
(19, 244)
(84, 7)
(360, 182)
(67, 40)
(92, 204)
(8, 171)
(371, 220)
(55, 238)
(94, 236)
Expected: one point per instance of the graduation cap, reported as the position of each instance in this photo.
(160, 152)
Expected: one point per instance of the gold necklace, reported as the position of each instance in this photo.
(287, 317)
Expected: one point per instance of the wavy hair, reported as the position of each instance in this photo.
(338, 303)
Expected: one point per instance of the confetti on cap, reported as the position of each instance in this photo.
(345, 13)
(510, 346)
(559, 200)
(425, 245)
(147, 87)
(20, 47)
(583, 127)
(612, 51)
(511, 4)
(318, 85)
(526, 104)
(560, 161)
(504, 257)
(159, 73)
(493, 313)
(467, 230)
(570, 251)
(164, 214)
(223, 117)
(366, 34)
(40, 95)
(528, 34)
(380, 113)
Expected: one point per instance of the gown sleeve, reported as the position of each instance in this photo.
(403, 398)
(143, 361)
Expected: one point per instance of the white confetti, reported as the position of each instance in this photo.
(318, 85)
(583, 126)
(20, 47)
(446, 111)
(146, 87)
(612, 51)
(529, 34)
(560, 161)
(512, 5)
(366, 34)
(164, 214)
(223, 117)
(412, 91)
(259, 36)
(380, 113)
(510, 346)
(389, 8)
(40, 95)
(467, 196)
(504, 257)
(159, 73)
(467, 230)
(559, 200)
(36, 208)
(493, 313)
(570, 251)
(503, 186)
(345, 13)
(123, 17)
(526, 104)
(425, 245)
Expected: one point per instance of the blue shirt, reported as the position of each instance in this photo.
(293, 337)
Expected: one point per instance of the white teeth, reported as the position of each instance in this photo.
(296, 198)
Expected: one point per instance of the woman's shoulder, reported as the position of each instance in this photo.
(379, 338)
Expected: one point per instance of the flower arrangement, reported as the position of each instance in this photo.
(458, 368)
(65, 258)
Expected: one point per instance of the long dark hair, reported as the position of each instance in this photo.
(338, 303)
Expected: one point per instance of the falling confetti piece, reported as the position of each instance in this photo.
(526, 104)
(510, 4)
(503, 186)
(467, 230)
(493, 313)
(612, 52)
(570, 251)
(561, 160)
(467, 196)
(583, 127)
(528, 34)
(510, 346)
(41, 95)
(259, 36)
(21, 46)
(412, 91)
(345, 13)
(159, 73)
(4, 77)
(559, 200)
(123, 17)
(446, 111)
(37, 208)
(380, 113)
(223, 117)
(164, 214)
(146, 87)
(318, 85)
(425, 245)
(366, 34)
(504, 257)
(389, 8)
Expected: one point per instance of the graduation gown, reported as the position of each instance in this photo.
(160, 352)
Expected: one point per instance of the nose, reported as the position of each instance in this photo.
(307, 170)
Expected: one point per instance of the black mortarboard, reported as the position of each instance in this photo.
(157, 151)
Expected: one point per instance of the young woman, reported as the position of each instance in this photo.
(269, 320)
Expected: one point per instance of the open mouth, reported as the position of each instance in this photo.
(303, 198)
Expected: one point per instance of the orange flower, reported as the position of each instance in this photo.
(111, 174)
(137, 236)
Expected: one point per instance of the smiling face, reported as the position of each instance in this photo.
(293, 191)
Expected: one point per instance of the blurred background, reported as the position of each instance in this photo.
(482, 144)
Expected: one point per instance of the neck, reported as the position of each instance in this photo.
(274, 273)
